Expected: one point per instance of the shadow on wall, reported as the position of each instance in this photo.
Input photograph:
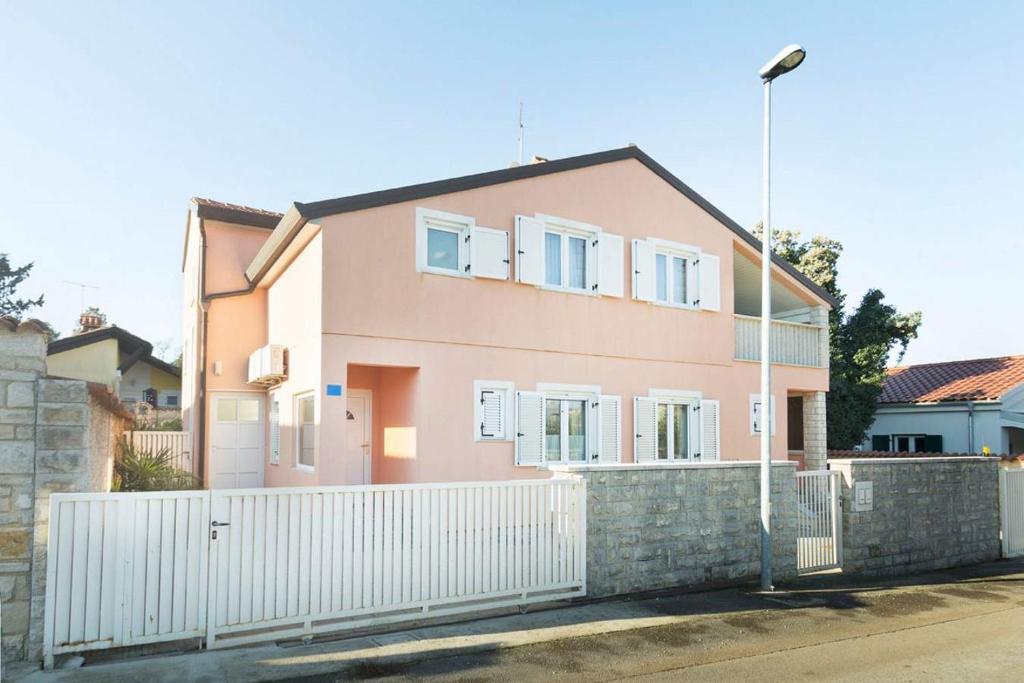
(394, 415)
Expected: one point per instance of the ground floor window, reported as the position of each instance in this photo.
(304, 433)
(909, 443)
(675, 426)
(565, 430)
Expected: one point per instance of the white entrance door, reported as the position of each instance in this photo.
(358, 435)
(236, 441)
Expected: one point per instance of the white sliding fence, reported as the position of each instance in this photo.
(1011, 503)
(178, 443)
(819, 521)
(125, 569)
(246, 565)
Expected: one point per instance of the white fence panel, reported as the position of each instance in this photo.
(125, 569)
(1011, 503)
(819, 521)
(178, 443)
(792, 343)
(295, 562)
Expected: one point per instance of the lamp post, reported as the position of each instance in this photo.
(788, 59)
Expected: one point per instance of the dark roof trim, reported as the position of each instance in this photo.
(137, 348)
(370, 200)
(236, 216)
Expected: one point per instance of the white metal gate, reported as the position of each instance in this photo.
(819, 521)
(245, 565)
(125, 569)
(1011, 506)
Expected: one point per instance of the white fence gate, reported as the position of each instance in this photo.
(1011, 507)
(819, 521)
(178, 443)
(246, 565)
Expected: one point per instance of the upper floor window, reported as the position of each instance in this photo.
(450, 244)
(673, 274)
(567, 255)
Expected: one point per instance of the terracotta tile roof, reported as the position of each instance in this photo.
(984, 379)
(213, 203)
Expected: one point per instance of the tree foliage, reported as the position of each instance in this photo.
(861, 342)
(10, 278)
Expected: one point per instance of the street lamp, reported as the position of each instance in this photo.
(788, 59)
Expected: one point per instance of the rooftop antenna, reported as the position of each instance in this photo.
(522, 133)
(81, 289)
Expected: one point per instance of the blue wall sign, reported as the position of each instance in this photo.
(334, 390)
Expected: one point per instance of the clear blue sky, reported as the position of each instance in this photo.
(901, 135)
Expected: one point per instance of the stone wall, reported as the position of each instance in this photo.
(815, 431)
(926, 514)
(55, 435)
(669, 526)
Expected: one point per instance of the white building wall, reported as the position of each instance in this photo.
(949, 421)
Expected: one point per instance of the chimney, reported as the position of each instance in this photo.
(89, 321)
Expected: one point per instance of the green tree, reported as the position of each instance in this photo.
(10, 278)
(861, 342)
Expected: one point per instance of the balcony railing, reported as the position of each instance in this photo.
(792, 343)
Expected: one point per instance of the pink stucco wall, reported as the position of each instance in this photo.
(378, 310)
(352, 309)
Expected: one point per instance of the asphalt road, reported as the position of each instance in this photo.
(959, 628)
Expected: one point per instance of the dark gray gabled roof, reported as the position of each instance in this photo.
(135, 348)
(312, 210)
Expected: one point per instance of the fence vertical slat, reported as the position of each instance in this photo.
(93, 565)
(195, 535)
(350, 552)
(178, 580)
(341, 516)
(358, 562)
(259, 557)
(387, 549)
(452, 543)
(244, 528)
(404, 594)
(436, 564)
(377, 543)
(302, 576)
(327, 564)
(366, 541)
(316, 537)
(417, 514)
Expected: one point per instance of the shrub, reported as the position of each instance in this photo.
(142, 470)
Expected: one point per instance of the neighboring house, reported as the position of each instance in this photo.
(119, 359)
(604, 314)
(956, 407)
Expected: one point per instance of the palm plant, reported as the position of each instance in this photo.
(142, 470)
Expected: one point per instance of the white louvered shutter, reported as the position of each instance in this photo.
(644, 275)
(488, 253)
(529, 250)
(710, 431)
(610, 250)
(529, 428)
(275, 432)
(710, 282)
(492, 414)
(610, 425)
(645, 429)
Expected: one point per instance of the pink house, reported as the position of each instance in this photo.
(589, 309)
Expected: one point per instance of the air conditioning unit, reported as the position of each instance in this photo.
(267, 365)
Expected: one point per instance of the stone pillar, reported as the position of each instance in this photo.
(819, 316)
(815, 430)
(22, 362)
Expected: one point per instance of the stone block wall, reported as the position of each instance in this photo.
(669, 526)
(55, 435)
(926, 514)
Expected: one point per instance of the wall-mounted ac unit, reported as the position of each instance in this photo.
(267, 365)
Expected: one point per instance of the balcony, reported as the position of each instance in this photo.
(792, 343)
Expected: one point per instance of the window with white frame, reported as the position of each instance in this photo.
(757, 414)
(304, 432)
(909, 443)
(275, 432)
(567, 424)
(673, 274)
(491, 408)
(450, 244)
(566, 255)
(672, 425)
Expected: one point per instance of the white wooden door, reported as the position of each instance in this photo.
(359, 434)
(236, 441)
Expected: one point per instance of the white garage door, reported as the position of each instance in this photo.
(237, 441)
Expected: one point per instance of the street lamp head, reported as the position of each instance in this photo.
(788, 59)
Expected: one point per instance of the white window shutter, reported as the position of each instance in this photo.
(710, 449)
(492, 414)
(275, 432)
(710, 282)
(645, 429)
(529, 250)
(488, 253)
(529, 428)
(609, 271)
(643, 270)
(610, 424)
